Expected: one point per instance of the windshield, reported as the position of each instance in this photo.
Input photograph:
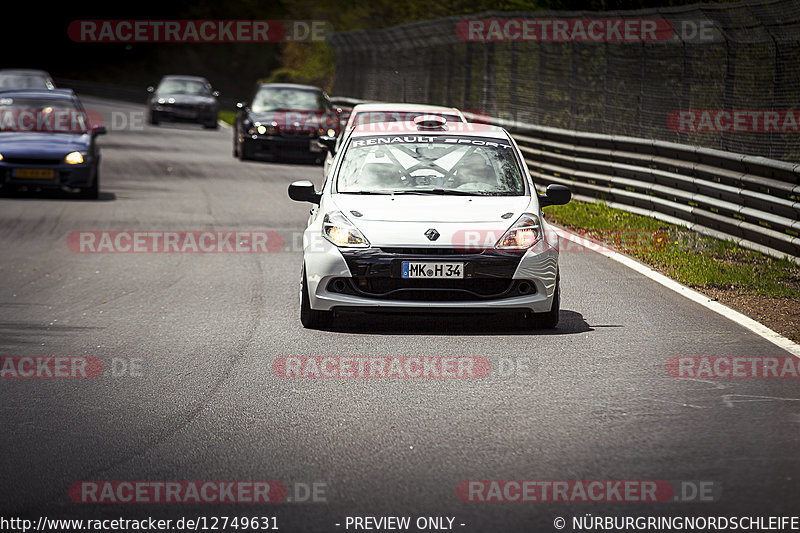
(194, 88)
(274, 99)
(53, 115)
(24, 81)
(420, 164)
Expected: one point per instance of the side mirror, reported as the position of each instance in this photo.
(555, 195)
(215, 94)
(329, 143)
(99, 130)
(303, 191)
(151, 89)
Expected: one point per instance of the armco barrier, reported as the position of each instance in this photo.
(751, 200)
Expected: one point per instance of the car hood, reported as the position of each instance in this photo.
(403, 220)
(296, 120)
(30, 143)
(431, 208)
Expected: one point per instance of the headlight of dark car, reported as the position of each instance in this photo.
(263, 129)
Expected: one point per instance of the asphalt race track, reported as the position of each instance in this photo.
(192, 337)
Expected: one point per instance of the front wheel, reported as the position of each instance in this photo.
(310, 318)
(243, 152)
(93, 191)
(548, 320)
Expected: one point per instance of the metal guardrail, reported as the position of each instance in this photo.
(751, 200)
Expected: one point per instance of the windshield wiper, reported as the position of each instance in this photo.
(443, 192)
(365, 192)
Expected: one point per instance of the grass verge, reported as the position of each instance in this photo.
(227, 116)
(765, 288)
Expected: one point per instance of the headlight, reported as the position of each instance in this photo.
(341, 232)
(522, 235)
(261, 129)
(74, 158)
(162, 101)
(1, 157)
(331, 132)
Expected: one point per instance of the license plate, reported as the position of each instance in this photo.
(35, 173)
(415, 269)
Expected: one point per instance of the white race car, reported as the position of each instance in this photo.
(429, 216)
(362, 114)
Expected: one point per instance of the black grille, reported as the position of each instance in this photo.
(432, 290)
(297, 134)
(30, 161)
(387, 262)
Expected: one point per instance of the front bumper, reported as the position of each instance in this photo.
(178, 113)
(301, 146)
(63, 175)
(352, 279)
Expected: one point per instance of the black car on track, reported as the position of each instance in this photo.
(284, 121)
(183, 99)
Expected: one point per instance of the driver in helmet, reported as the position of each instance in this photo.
(474, 168)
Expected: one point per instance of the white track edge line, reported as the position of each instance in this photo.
(743, 320)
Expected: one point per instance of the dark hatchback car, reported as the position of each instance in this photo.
(47, 142)
(284, 121)
(25, 79)
(183, 99)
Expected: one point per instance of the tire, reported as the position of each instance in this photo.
(548, 320)
(242, 152)
(152, 119)
(310, 318)
(211, 125)
(93, 191)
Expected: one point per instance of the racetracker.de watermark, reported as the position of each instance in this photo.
(734, 367)
(54, 120)
(587, 490)
(565, 30)
(33, 367)
(734, 121)
(476, 240)
(46, 119)
(197, 31)
(181, 242)
(399, 367)
(69, 367)
(177, 492)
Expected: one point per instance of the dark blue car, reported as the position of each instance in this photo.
(47, 141)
